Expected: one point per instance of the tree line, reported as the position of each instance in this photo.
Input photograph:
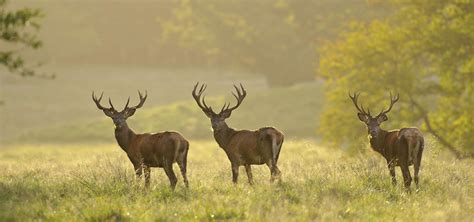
(425, 52)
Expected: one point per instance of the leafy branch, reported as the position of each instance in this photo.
(18, 30)
(458, 154)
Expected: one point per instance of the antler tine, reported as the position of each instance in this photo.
(361, 109)
(110, 102)
(97, 101)
(225, 103)
(244, 93)
(126, 105)
(226, 106)
(142, 99)
(197, 97)
(241, 93)
(237, 90)
(203, 87)
(195, 88)
(393, 100)
(141, 96)
(204, 103)
(95, 98)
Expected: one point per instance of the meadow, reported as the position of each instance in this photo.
(298, 60)
(96, 183)
(60, 161)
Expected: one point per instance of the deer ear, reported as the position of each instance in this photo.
(362, 117)
(382, 118)
(129, 112)
(108, 112)
(226, 113)
(208, 114)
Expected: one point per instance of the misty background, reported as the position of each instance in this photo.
(120, 47)
(297, 59)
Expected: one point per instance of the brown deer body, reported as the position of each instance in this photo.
(243, 147)
(403, 147)
(148, 150)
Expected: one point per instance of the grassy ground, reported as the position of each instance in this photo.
(96, 182)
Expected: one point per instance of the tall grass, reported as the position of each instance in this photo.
(96, 182)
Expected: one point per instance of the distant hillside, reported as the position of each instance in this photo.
(293, 110)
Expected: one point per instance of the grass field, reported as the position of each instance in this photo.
(60, 162)
(96, 183)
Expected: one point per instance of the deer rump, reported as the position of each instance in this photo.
(409, 145)
(255, 147)
(159, 149)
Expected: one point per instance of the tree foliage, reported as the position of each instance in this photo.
(275, 38)
(425, 51)
(18, 30)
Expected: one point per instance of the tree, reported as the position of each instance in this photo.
(425, 51)
(18, 31)
(275, 38)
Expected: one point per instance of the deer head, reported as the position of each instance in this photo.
(119, 118)
(373, 123)
(218, 120)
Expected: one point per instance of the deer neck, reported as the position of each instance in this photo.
(223, 135)
(124, 136)
(378, 143)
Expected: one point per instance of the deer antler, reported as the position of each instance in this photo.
(241, 93)
(108, 111)
(393, 100)
(140, 104)
(361, 109)
(197, 97)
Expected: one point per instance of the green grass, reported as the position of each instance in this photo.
(297, 117)
(96, 183)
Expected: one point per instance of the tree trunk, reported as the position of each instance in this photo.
(458, 154)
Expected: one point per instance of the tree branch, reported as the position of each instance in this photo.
(458, 154)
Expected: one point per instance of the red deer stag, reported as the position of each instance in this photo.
(243, 147)
(147, 150)
(402, 147)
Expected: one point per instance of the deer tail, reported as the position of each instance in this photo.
(180, 149)
(276, 147)
(413, 145)
(271, 140)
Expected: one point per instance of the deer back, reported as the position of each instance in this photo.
(155, 149)
(254, 146)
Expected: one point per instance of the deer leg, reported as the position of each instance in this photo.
(147, 172)
(248, 169)
(235, 173)
(138, 170)
(391, 167)
(417, 169)
(406, 175)
(170, 173)
(275, 172)
(392, 173)
(417, 166)
(182, 167)
(403, 161)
